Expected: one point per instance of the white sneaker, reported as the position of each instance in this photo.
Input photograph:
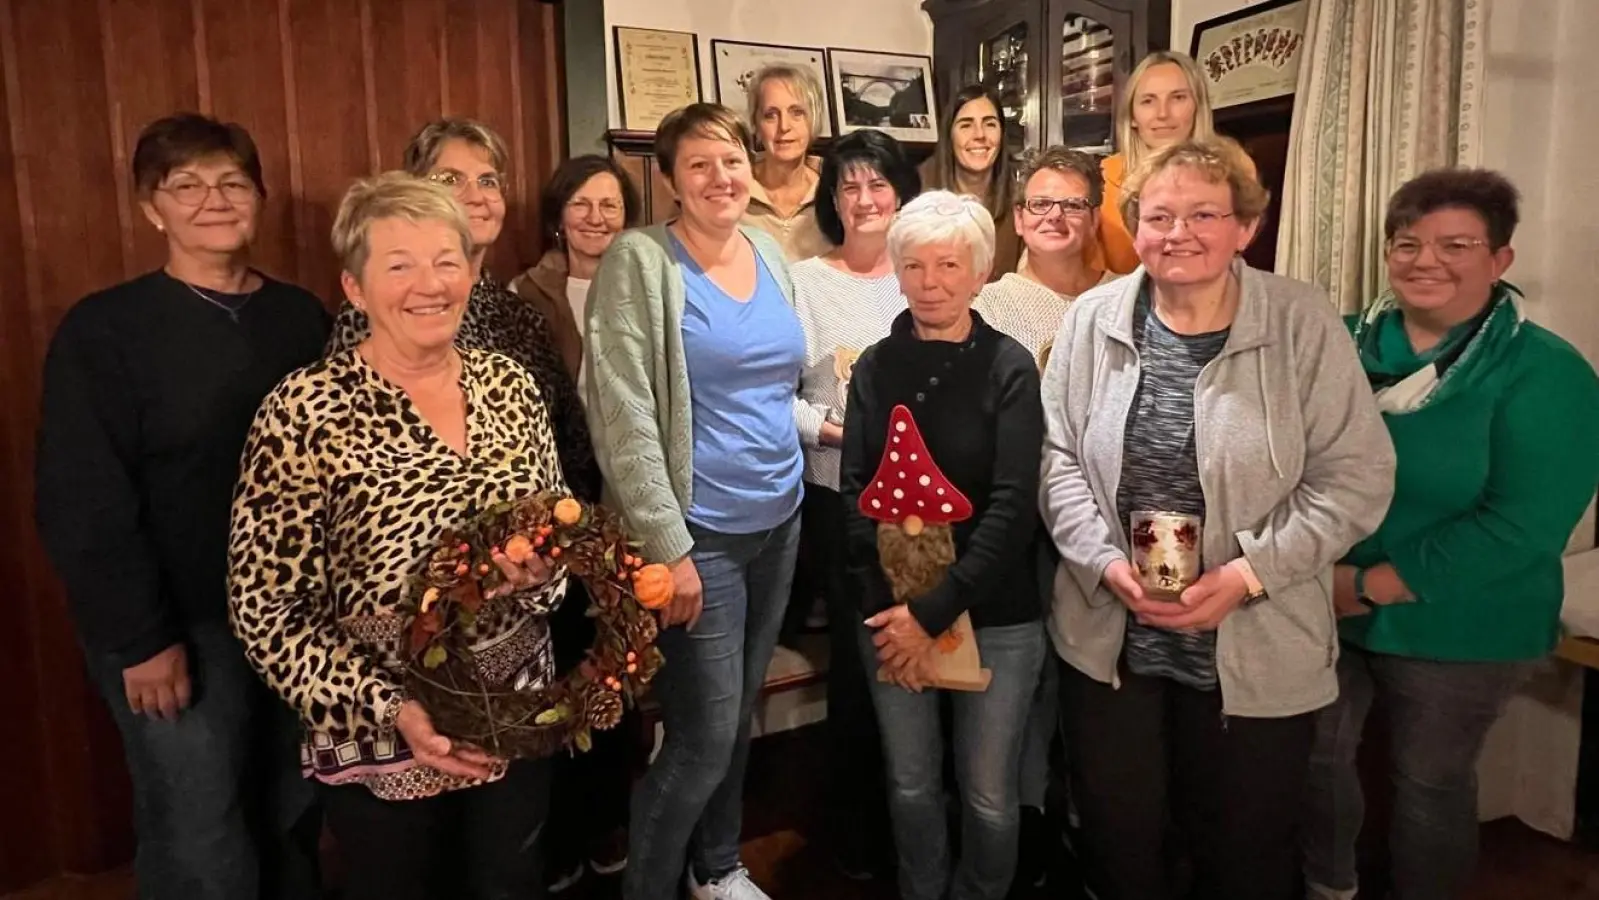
(735, 885)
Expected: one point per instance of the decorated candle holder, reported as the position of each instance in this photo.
(1166, 552)
(914, 506)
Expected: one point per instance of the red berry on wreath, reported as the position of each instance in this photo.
(462, 569)
(554, 552)
(483, 568)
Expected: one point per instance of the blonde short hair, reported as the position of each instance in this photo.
(392, 195)
(939, 216)
(1219, 160)
(424, 149)
(1132, 147)
(799, 80)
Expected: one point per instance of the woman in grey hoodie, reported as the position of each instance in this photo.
(1232, 399)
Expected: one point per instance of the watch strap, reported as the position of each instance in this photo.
(1255, 590)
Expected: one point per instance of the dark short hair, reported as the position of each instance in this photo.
(705, 120)
(178, 140)
(1483, 191)
(568, 179)
(1002, 178)
(1061, 159)
(868, 149)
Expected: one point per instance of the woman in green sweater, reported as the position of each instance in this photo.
(1447, 606)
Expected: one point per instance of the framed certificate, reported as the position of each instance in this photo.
(656, 72)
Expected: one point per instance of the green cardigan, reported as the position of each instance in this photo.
(638, 390)
(1489, 487)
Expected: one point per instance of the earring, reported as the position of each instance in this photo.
(161, 228)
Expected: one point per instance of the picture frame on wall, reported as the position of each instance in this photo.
(891, 92)
(734, 64)
(1252, 54)
(656, 72)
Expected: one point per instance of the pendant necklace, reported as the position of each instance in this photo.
(231, 310)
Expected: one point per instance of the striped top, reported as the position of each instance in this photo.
(1160, 473)
(842, 314)
(1026, 310)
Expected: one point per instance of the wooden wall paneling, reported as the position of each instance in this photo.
(329, 116)
(24, 778)
(67, 209)
(331, 90)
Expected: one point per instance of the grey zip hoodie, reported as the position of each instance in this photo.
(1294, 460)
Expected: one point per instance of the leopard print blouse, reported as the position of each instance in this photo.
(344, 490)
(498, 320)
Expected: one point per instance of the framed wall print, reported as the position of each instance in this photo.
(656, 72)
(892, 92)
(734, 64)
(1252, 54)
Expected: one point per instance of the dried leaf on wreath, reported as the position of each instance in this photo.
(551, 716)
(470, 596)
(435, 657)
(582, 741)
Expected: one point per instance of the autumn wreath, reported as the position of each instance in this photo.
(445, 599)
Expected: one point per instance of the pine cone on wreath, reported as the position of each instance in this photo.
(602, 709)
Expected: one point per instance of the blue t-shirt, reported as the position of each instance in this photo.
(744, 363)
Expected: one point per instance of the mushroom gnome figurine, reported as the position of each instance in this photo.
(914, 506)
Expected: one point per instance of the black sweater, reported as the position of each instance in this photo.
(149, 392)
(977, 406)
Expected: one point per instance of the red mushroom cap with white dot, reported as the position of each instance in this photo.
(908, 484)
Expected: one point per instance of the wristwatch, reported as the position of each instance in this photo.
(1255, 590)
(1360, 590)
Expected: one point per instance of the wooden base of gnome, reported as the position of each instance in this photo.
(914, 506)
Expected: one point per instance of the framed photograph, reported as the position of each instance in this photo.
(1252, 54)
(892, 92)
(656, 72)
(734, 64)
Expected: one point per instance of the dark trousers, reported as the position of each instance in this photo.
(857, 811)
(219, 805)
(1158, 771)
(1439, 714)
(590, 795)
(480, 843)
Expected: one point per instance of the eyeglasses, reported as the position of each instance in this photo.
(1166, 223)
(609, 209)
(488, 182)
(1075, 207)
(193, 193)
(1449, 249)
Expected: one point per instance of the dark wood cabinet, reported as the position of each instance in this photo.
(1057, 65)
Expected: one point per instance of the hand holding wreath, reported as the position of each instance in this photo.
(510, 549)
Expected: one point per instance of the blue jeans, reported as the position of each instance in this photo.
(1439, 714)
(693, 795)
(219, 804)
(988, 730)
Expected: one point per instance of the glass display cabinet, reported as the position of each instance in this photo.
(1056, 64)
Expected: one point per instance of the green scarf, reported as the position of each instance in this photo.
(1456, 364)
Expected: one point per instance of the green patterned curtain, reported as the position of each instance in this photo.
(1387, 89)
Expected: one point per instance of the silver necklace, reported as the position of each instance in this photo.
(233, 312)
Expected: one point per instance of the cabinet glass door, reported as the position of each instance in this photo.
(1003, 65)
(1088, 84)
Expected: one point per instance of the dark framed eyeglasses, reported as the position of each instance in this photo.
(1076, 207)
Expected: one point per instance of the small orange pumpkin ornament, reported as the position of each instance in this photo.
(568, 511)
(518, 549)
(652, 585)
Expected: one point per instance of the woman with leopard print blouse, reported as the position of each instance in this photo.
(470, 158)
(354, 467)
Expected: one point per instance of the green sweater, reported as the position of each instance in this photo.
(1490, 485)
(638, 390)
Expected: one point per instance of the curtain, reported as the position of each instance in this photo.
(1387, 89)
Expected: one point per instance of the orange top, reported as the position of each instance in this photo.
(1114, 252)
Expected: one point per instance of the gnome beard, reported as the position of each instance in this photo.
(915, 506)
(914, 564)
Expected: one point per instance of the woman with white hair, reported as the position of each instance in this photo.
(784, 105)
(973, 395)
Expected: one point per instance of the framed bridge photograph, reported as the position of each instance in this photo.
(892, 92)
